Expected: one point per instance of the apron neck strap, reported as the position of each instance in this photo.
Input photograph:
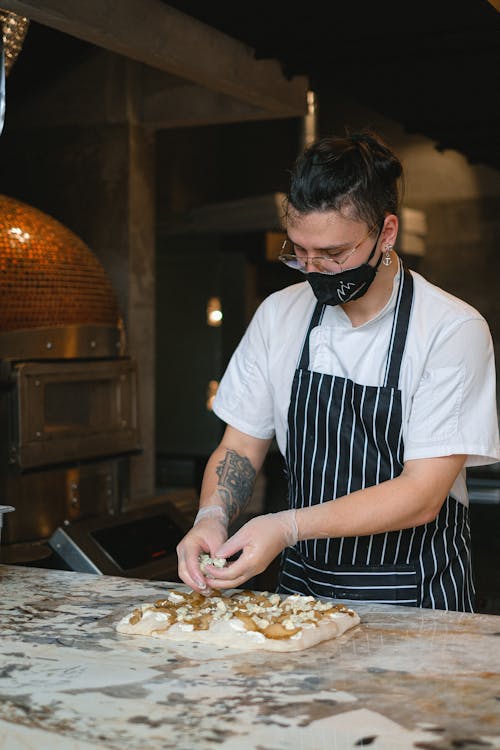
(316, 318)
(398, 332)
(399, 328)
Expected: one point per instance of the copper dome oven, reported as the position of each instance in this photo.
(68, 389)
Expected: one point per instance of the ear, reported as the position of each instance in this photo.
(390, 230)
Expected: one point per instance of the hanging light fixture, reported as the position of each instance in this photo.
(14, 29)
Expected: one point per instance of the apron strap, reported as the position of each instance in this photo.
(399, 329)
(398, 332)
(315, 320)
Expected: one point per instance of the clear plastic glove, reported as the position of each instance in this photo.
(259, 541)
(208, 533)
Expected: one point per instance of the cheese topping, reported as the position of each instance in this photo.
(257, 615)
(217, 562)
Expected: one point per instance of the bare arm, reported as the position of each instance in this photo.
(230, 473)
(227, 487)
(411, 499)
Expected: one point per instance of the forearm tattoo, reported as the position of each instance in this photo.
(236, 480)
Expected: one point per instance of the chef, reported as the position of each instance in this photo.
(379, 388)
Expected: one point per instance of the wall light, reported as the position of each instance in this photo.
(214, 312)
(211, 391)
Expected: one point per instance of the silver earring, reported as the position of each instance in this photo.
(387, 260)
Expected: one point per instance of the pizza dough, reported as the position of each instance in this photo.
(244, 619)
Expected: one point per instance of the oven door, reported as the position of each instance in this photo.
(66, 411)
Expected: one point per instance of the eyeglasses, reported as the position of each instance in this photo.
(299, 259)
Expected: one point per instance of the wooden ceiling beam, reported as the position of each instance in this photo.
(129, 92)
(158, 35)
(188, 105)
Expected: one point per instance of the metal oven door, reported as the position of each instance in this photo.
(65, 411)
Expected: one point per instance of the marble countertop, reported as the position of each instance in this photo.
(403, 678)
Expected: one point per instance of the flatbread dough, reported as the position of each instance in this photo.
(245, 620)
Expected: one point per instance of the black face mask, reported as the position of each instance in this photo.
(336, 289)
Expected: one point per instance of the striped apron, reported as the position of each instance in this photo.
(342, 437)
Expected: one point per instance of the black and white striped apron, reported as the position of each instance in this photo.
(342, 437)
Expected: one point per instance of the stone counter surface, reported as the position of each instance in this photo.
(403, 678)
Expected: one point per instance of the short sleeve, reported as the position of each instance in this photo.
(244, 398)
(454, 407)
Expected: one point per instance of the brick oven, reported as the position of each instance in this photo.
(68, 410)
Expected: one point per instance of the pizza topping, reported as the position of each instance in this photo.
(217, 562)
(174, 596)
(247, 621)
(260, 615)
(136, 616)
(278, 631)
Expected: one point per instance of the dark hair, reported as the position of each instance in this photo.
(356, 174)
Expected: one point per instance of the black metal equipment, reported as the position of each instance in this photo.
(136, 544)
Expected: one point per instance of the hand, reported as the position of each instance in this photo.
(260, 540)
(208, 533)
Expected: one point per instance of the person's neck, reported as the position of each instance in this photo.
(365, 308)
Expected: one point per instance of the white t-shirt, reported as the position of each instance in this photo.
(447, 377)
